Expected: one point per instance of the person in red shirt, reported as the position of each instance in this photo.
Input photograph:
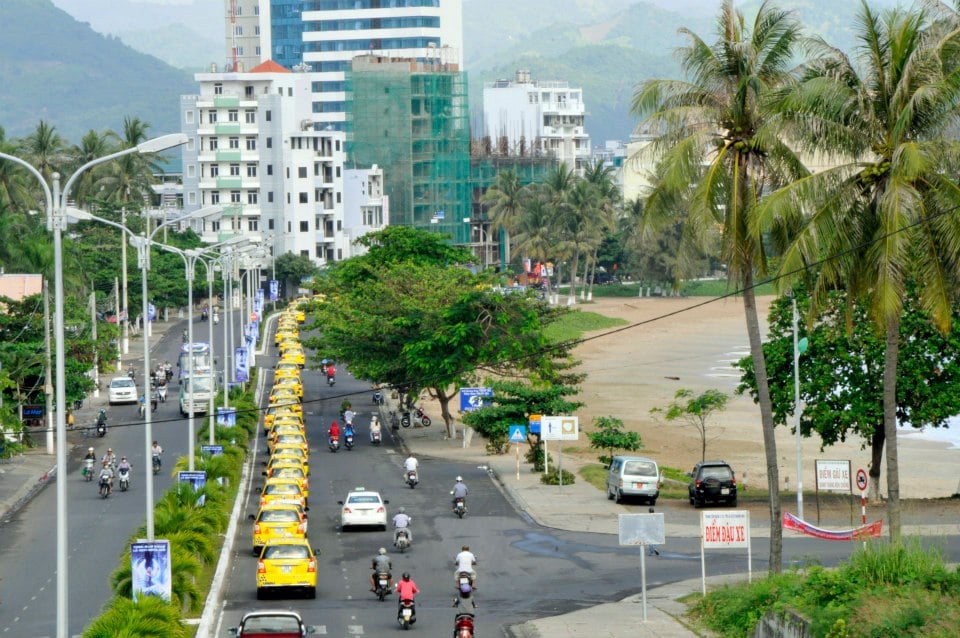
(334, 431)
(406, 587)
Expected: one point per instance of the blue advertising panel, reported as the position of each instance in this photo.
(150, 569)
(196, 480)
(274, 290)
(226, 417)
(151, 312)
(211, 450)
(475, 398)
(534, 424)
(240, 367)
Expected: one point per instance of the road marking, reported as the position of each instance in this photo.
(355, 630)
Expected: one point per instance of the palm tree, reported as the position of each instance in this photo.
(721, 142)
(127, 181)
(609, 205)
(46, 150)
(93, 145)
(533, 233)
(886, 212)
(506, 197)
(579, 228)
(15, 183)
(555, 191)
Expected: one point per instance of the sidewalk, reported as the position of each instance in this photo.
(22, 476)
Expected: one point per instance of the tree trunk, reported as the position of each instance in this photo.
(876, 460)
(766, 420)
(572, 299)
(890, 357)
(444, 401)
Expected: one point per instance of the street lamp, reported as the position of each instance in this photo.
(56, 220)
(799, 347)
(190, 258)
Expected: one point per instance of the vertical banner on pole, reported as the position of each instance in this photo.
(274, 290)
(150, 570)
(240, 367)
(559, 428)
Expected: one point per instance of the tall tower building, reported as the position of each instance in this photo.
(242, 28)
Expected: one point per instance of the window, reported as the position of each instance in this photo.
(218, 89)
(191, 198)
(250, 116)
(256, 31)
(188, 117)
(248, 91)
(234, 197)
(233, 115)
(304, 198)
(253, 225)
(338, 197)
(269, 169)
(234, 143)
(238, 29)
(304, 227)
(269, 142)
(305, 253)
(270, 197)
(270, 224)
(214, 170)
(253, 197)
(240, 51)
(258, 46)
(251, 143)
(215, 227)
(234, 170)
(251, 170)
(269, 116)
(338, 171)
(191, 170)
(214, 143)
(211, 117)
(302, 172)
(214, 197)
(190, 144)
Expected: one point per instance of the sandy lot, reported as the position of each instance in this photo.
(691, 343)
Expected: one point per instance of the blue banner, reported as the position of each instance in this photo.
(226, 417)
(150, 572)
(151, 312)
(240, 365)
(475, 398)
(274, 290)
(196, 480)
(211, 450)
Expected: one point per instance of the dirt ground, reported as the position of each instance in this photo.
(691, 343)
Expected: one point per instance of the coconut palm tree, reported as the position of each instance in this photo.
(554, 190)
(506, 198)
(16, 192)
(533, 233)
(46, 150)
(886, 211)
(93, 145)
(720, 149)
(149, 617)
(609, 206)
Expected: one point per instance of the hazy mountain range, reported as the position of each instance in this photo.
(605, 46)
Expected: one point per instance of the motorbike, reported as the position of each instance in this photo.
(459, 506)
(331, 379)
(418, 416)
(156, 463)
(334, 443)
(464, 578)
(203, 315)
(101, 429)
(162, 393)
(348, 438)
(378, 397)
(412, 478)
(168, 370)
(124, 476)
(383, 584)
(154, 399)
(463, 625)
(132, 373)
(403, 540)
(406, 613)
(88, 469)
(216, 319)
(104, 487)
(375, 438)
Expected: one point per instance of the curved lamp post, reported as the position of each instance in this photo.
(56, 221)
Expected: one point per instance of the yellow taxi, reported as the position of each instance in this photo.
(285, 428)
(288, 455)
(281, 394)
(286, 461)
(287, 418)
(282, 366)
(275, 521)
(289, 404)
(287, 375)
(287, 564)
(294, 355)
(282, 491)
(293, 473)
(295, 384)
(292, 439)
(285, 334)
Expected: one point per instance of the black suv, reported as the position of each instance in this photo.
(712, 481)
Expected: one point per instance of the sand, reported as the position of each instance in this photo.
(687, 343)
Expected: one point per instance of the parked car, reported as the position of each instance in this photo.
(277, 623)
(122, 390)
(633, 476)
(604, 278)
(712, 481)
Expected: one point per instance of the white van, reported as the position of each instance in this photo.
(633, 476)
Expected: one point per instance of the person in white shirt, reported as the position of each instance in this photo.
(402, 522)
(465, 561)
(374, 427)
(411, 465)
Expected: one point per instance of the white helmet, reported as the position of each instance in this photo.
(90, 449)
(459, 478)
(382, 551)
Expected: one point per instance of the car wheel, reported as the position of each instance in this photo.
(698, 503)
(260, 594)
(311, 592)
(619, 497)
(653, 501)
(383, 528)
(609, 494)
(732, 502)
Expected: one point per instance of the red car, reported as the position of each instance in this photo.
(272, 624)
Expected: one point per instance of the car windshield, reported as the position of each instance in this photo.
(279, 516)
(290, 438)
(271, 625)
(719, 472)
(282, 488)
(122, 382)
(640, 468)
(288, 451)
(198, 384)
(289, 472)
(364, 498)
(286, 551)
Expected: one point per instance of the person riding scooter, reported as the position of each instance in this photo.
(381, 564)
(401, 524)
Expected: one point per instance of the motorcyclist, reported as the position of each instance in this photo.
(124, 466)
(459, 490)
(465, 561)
(142, 405)
(331, 372)
(411, 464)
(106, 475)
(186, 335)
(381, 563)
(348, 415)
(401, 521)
(348, 429)
(374, 427)
(109, 458)
(333, 432)
(101, 417)
(406, 587)
(156, 451)
(91, 455)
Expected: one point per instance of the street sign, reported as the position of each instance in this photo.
(518, 433)
(475, 398)
(723, 530)
(833, 475)
(559, 428)
(861, 480)
(534, 424)
(641, 529)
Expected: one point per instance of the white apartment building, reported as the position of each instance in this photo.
(366, 207)
(252, 149)
(545, 117)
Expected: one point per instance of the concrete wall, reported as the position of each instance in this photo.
(789, 624)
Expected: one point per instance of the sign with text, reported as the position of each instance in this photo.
(475, 398)
(559, 428)
(226, 417)
(725, 530)
(534, 423)
(150, 570)
(641, 529)
(211, 450)
(833, 476)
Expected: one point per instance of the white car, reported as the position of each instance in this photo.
(122, 390)
(363, 507)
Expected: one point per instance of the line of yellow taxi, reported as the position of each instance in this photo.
(286, 560)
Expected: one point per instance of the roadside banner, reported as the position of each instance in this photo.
(240, 367)
(274, 290)
(211, 450)
(151, 312)
(724, 529)
(871, 530)
(150, 569)
(226, 417)
(475, 398)
(196, 480)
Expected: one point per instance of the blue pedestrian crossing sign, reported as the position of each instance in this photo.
(518, 433)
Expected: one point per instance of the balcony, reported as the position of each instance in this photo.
(227, 128)
(228, 156)
(229, 182)
(226, 100)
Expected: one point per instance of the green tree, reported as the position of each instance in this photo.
(695, 411)
(291, 269)
(884, 212)
(506, 198)
(46, 151)
(611, 436)
(721, 141)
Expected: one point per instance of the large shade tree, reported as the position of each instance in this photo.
(885, 211)
(720, 141)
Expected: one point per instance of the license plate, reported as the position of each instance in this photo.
(383, 582)
(639, 486)
(286, 569)
(407, 613)
(724, 490)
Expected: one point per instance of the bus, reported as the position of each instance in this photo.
(197, 389)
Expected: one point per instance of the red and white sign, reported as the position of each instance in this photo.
(861, 480)
(725, 529)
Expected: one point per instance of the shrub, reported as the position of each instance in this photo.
(553, 477)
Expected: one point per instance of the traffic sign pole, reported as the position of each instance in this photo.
(862, 486)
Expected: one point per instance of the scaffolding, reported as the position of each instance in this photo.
(412, 119)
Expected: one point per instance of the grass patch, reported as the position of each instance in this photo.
(692, 288)
(573, 324)
(595, 474)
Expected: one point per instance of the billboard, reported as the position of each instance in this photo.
(150, 571)
(475, 398)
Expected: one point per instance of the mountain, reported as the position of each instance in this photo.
(55, 68)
